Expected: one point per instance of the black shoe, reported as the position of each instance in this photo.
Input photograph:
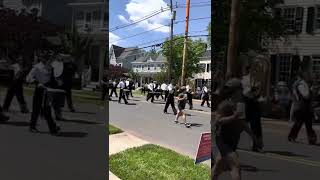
(56, 131)
(174, 113)
(34, 130)
(72, 110)
(257, 149)
(175, 121)
(61, 119)
(293, 140)
(187, 125)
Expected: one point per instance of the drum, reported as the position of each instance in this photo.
(56, 97)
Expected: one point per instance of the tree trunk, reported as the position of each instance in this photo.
(233, 40)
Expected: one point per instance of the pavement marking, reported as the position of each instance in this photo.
(285, 158)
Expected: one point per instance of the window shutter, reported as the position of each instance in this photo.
(310, 20)
(299, 19)
(273, 60)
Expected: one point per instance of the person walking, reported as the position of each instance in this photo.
(151, 91)
(229, 122)
(253, 110)
(189, 96)
(114, 89)
(301, 109)
(182, 100)
(205, 95)
(16, 87)
(164, 88)
(3, 116)
(42, 75)
(122, 95)
(170, 100)
(69, 71)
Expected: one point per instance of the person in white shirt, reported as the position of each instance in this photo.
(16, 86)
(122, 94)
(42, 75)
(151, 91)
(205, 96)
(164, 88)
(170, 99)
(301, 109)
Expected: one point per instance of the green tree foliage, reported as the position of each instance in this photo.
(160, 77)
(195, 50)
(258, 25)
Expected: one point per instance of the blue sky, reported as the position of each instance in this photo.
(123, 12)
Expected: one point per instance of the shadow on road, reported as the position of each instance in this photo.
(131, 104)
(134, 100)
(16, 123)
(80, 121)
(197, 109)
(81, 112)
(190, 115)
(159, 103)
(73, 134)
(195, 125)
(250, 168)
(285, 153)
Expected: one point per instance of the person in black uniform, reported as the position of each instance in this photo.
(170, 100)
(3, 117)
(122, 95)
(205, 96)
(16, 87)
(42, 75)
(151, 90)
(69, 71)
(113, 88)
(189, 96)
(131, 87)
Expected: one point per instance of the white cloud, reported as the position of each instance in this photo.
(138, 9)
(123, 19)
(112, 38)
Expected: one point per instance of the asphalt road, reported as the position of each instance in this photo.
(79, 153)
(282, 159)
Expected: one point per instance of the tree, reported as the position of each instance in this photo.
(76, 46)
(133, 75)
(160, 76)
(116, 72)
(258, 25)
(195, 50)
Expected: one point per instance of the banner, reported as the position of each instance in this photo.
(204, 148)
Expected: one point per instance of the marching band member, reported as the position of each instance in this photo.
(42, 75)
(164, 89)
(205, 95)
(170, 99)
(189, 96)
(150, 94)
(114, 89)
(122, 94)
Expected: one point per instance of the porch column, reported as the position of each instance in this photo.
(141, 81)
(102, 58)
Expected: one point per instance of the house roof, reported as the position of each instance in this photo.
(154, 58)
(206, 55)
(86, 2)
(122, 54)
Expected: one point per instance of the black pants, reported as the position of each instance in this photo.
(189, 98)
(205, 99)
(69, 98)
(170, 101)
(253, 116)
(122, 95)
(113, 90)
(150, 95)
(166, 93)
(303, 116)
(40, 105)
(16, 89)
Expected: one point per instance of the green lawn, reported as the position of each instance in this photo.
(114, 130)
(154, 162)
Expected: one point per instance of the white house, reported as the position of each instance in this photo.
(302, 46)
(204, 77)
(89, 17)
(147, 66)
(120, 56)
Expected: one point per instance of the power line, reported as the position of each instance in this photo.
(141, 19)
(158, 28)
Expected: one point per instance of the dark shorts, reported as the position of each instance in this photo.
(224, 147)
(181, 107)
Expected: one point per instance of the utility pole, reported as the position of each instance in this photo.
(183, 75)
(233, 40)
(170, 59)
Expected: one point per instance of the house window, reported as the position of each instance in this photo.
(316, 68)
(294, 18)
(202, 67)
(318, 18)
(148, 67)
(208, 67)
(88, 17)
(284, 68)
(142, 67)
(80, 16)
(96, 15)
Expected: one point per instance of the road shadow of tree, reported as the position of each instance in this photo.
(16, 123)
(68, 134)
(286, 153)
(79, 121)
(249, 168)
